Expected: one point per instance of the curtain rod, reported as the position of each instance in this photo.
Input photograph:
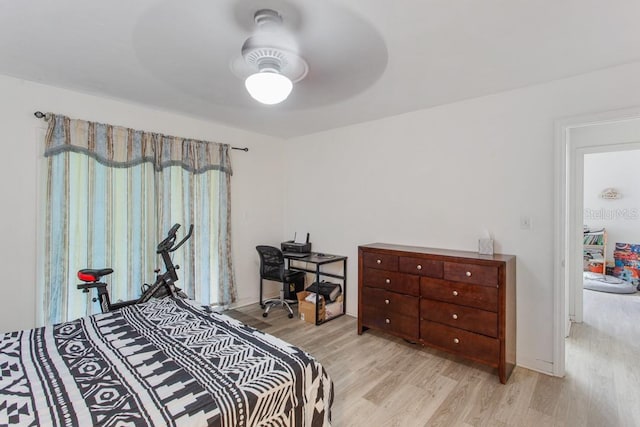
(41, 115)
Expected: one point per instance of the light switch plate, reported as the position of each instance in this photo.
(525, 222)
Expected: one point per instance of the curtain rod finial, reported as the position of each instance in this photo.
(40, 115)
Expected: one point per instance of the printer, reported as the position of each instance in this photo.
(292, 246)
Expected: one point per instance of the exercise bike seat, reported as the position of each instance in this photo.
(93, 275)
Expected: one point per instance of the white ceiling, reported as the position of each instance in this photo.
(368, 58)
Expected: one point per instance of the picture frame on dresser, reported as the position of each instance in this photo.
(456, 301)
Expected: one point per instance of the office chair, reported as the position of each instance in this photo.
(272, 268)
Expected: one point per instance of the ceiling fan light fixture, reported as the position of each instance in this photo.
(270, 60)
(268, 87)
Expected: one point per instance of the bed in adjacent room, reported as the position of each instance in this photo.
(165, 362)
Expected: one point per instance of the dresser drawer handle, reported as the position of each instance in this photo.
(468, 273)
(419, 267)
(378, 261)
(387, 321)
(386, 301)
(387, 281)
(455, 293)
(455, 316)
(456, 341)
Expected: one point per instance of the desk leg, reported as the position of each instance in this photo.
(344, 286)
(318, 290)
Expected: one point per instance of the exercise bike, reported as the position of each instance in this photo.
(163, 286)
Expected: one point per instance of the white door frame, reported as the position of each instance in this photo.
(568, 197)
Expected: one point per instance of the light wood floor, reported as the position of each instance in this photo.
(383, 381)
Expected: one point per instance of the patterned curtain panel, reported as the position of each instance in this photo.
(112, 194)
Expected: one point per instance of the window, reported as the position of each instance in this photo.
(112, 194)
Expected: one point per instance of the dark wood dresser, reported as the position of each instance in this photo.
(455, 301)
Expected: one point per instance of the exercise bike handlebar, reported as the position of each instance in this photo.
(168, 244)
(184, 239)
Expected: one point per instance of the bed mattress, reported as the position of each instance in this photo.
(165, 362)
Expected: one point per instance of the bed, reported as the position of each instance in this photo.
(165, 362)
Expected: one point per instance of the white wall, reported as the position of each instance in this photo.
(256, 216)
(441, 177)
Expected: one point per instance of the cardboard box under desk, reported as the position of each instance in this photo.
(307, 310)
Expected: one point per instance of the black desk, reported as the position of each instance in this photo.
(319, 259)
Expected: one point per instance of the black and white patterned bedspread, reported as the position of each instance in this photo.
(165, 362)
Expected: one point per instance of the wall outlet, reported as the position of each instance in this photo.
(525, 222)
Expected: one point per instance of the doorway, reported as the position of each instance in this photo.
(576, 137)
(611, 216)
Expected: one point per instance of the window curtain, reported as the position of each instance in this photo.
(112, 194)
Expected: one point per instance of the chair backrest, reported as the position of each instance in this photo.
(271, 262)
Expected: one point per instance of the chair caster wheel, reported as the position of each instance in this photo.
(290, 315)
(265, 314)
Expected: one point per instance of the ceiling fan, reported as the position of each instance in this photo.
(271, 53)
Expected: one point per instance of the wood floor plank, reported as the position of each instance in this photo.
(627, 384)
(602, 409)
(546, 394)
(409, 406)
(533, 418)
(483, 408)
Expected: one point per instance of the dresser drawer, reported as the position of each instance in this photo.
(381, 261)
(483, 297)
(471, 273)
(467, 318)
(390, 280)
(391, 302)
(474, 346)
(420, 266)
(393, 323)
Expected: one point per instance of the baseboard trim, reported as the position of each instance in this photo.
(542, 366)
(244, 302)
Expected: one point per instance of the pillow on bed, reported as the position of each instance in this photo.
(603, 283)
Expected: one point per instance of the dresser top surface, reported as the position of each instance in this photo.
(438, 251)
